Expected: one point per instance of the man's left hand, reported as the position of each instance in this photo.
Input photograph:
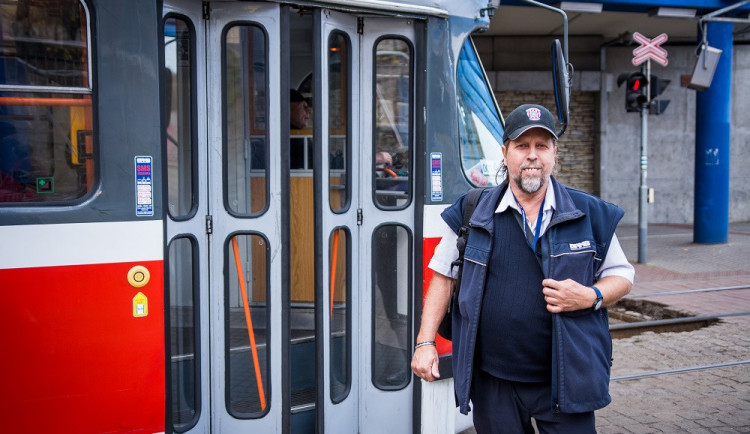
(567, 295)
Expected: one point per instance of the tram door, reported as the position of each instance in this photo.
(304, 326)
(386, 197)
(224, 247)
(350, 222)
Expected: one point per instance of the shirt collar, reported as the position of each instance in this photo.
(508, 201)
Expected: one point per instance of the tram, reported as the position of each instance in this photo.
(177, 257)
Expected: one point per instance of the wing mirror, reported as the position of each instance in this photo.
(561, 73)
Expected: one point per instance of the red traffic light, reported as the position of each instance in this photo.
(635, 90)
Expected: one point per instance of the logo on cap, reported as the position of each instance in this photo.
(534, 114)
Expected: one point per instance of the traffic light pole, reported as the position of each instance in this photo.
(643, 191)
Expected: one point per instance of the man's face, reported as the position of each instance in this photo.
(299, 114)
(530, 159)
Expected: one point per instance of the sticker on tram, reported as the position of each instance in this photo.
(436, 175)
(144, 187)
(140, 305)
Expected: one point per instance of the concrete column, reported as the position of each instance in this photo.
(712, 133)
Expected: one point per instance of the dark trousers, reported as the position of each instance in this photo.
(501, 406)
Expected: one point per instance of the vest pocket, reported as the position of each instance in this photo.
(575, 261)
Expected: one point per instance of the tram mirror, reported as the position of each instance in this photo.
(561, 83)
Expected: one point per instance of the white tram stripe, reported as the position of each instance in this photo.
(26, 246)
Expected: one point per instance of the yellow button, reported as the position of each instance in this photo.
(138, 276)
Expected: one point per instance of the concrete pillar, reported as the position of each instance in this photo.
(712, 133)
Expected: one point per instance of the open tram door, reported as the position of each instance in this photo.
(224, 246)
(296, 241)
(364, 220)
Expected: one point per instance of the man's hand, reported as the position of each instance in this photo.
(424, 363)
(567, 295)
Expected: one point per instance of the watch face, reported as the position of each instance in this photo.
(598, 304)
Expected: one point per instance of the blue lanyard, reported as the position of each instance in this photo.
(538, 229)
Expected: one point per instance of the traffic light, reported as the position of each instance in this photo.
(635, 91)
(657, 107)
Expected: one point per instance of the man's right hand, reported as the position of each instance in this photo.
(424, 363)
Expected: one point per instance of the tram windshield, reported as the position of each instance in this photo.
(479, 123)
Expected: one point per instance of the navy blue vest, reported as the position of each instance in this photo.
(514, 339)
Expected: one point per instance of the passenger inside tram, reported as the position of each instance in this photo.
(300, 147)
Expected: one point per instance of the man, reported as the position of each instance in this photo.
(299, 115)
(530, 332)
(299, 111)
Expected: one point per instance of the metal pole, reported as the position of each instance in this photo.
(643, 190)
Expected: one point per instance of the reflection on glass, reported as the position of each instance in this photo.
(479, 123)
(46, 138)
(340, 341)
(183, 326)
(44, 43)
(245, 141)
(391, 298)
(246, 351)
(338, 128)
(393, 119)
(178, 41)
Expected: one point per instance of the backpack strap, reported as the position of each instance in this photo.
(470, 204)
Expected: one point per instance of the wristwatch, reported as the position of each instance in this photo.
(599, 299)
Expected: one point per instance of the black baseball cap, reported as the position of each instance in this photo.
(295, 96)
(526, 117)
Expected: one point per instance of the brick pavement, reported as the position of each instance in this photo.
(714, 400)
(675, 263)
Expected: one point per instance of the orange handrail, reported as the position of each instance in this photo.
(22, 100)
(249, 321)
(390, 172)
(334, 260)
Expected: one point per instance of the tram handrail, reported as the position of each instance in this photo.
(334, 260)
(36, 101)
(249, 321)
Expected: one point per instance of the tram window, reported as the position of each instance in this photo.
(391, 298)
(393, 123)
(184, 326)
(247, 322)
(46, 124)
(179, 43)
(339, 137)
(479, 123)
(340, 313)
(245, 117)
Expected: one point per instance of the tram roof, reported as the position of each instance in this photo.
(416, 8)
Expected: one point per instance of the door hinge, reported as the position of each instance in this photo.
(359, 216)
(209, 224)
(360, 25)
(206, 11)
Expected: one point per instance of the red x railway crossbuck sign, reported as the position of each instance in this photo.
(650, 49)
